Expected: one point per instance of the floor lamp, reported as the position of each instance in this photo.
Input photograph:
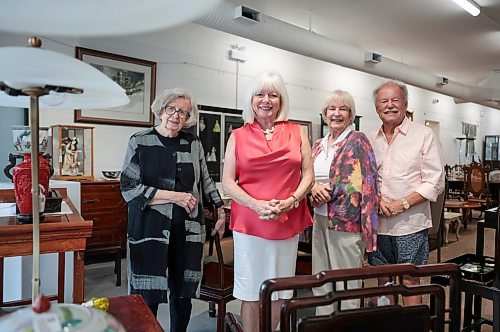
(36, 78)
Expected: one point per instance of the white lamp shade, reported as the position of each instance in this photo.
(23, 67)
(98, 17)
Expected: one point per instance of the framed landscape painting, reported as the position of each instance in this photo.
(137, 77)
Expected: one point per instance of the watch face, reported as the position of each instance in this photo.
(295, 204)
(406, 205)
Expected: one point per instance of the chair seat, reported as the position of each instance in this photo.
(212, 279)
(452, 215)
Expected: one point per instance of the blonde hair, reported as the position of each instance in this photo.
(266, 80)
(343, 97)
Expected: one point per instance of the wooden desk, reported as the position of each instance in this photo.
(59, 233)
(465, 206)
(133, 313)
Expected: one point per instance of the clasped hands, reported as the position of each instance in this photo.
(389, 208)
(272, 209)
(188, 202)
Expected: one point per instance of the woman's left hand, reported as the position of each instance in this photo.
(220, 225)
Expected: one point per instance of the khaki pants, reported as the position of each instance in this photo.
(333, 250)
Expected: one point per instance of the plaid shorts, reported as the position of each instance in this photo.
(411, 248)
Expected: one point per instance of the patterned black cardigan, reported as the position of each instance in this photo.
(147, 168)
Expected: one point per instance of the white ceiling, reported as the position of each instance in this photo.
(435, 36)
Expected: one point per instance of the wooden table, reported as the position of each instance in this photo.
(465, 206)
(133, 313)
(59, 233)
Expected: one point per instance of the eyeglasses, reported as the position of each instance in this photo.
(340, 109)
(171, 110)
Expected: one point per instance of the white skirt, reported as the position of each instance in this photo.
(257, 259)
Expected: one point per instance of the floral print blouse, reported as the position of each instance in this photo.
(353, 177)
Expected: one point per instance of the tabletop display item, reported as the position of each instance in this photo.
(112, 175)
(475, 267)
(21, 173)
(45, 316)
(73, 152)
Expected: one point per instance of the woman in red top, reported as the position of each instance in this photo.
(267, 172)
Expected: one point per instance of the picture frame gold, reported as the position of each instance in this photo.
(136, 76)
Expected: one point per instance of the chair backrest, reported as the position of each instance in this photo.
(395, 272)
(437, 213)
(389, 318)
(476, 180)
(217, 274)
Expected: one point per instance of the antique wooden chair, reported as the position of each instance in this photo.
(420, 317)
(436, 232)
(476, 185)
(218, 280)
(456, 182)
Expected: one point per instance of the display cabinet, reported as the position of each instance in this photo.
(73, 152)
(214, 127)
(491, 151)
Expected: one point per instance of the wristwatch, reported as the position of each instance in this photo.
(295, 202)
(406, 205)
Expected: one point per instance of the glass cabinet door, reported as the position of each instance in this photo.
(491, 148)
(209, 131)
(214, 128)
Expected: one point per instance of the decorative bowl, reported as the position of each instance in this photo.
(111, 174)
(70, 317)
(22, 138)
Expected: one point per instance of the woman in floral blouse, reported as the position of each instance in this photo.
(344, 197)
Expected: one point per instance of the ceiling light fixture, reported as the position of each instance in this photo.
(98, 18)
(36, 78)
(469, 5)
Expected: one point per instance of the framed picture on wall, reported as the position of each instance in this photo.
(137, 77)
(306, 127)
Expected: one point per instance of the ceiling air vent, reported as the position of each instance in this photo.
(246, 14)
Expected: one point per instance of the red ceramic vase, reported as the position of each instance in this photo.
(22, 184)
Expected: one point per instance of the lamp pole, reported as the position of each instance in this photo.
(35, 94)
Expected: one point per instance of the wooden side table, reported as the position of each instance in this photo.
(59, 233)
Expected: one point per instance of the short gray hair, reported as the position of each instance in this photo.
(167, 96)
(266, 80)
(395, 83)
(345, 98)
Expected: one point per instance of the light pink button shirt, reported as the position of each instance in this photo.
(412, 162)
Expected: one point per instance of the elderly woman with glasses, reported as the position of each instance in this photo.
(344, 196)
(163, 178)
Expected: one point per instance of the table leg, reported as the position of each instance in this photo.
(467, 310)
(480, 239)
(78, 276)
(465, 215)
(446, 230)
(496, 312)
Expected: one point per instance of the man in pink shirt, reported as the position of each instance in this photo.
(410, 174)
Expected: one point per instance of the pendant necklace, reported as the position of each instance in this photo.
(268, 133)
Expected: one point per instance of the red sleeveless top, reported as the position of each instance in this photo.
(267, 170)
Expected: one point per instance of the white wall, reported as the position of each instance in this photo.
(196, 58)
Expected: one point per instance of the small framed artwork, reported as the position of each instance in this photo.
(137, 77)
(306, 127)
